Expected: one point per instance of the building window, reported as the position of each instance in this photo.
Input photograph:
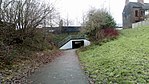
(142, 13)
(136, 13)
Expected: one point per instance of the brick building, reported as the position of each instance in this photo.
(134, 12)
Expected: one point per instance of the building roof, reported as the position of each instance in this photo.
(146, 6)
(130, 5)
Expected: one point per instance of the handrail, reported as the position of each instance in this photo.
(70, 37)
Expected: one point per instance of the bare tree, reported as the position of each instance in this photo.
(67, 22)
(18, 22)
(24, 13)
(25, 16)
(53, 19)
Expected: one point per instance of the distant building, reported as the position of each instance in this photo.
(134, 12)
(63, 29)
(71, 29)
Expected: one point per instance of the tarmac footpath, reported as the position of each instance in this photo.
(64, 69)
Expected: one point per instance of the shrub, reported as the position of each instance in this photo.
(107, 33)
(97, 23)
(11, 48)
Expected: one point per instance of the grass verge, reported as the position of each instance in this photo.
(122, 61)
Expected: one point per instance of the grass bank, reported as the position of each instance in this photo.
(122, 61)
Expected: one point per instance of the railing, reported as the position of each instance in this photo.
(71, 37)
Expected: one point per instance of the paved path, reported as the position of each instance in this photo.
(63, 70)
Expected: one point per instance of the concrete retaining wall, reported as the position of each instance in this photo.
(68, 45)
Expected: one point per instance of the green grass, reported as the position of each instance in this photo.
(122, 61)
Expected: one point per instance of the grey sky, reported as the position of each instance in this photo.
(74, 9)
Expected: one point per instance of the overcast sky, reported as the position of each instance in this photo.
(74, 9)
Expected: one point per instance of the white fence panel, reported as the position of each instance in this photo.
(140, 24)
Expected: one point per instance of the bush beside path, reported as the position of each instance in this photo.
(22, 69)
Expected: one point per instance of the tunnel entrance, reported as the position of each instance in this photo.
(77, 44)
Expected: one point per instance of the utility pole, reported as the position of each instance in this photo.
(67, 22)
(109, 6)
(103, 5)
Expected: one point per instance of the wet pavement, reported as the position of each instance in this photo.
(63, 70)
